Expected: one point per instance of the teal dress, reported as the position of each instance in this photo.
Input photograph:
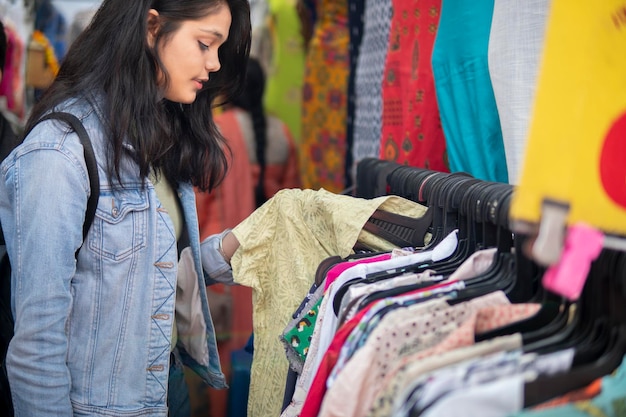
(467, 104)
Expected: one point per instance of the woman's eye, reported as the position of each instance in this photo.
(203, 46)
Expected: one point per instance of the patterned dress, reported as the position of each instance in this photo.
(324, 101)
(355, 26)
(369, 79)
(412, 133)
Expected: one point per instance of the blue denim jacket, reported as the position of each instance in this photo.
(92, 336)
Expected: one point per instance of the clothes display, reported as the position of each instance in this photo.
(468, 332)
(282, 244)
(429, 164)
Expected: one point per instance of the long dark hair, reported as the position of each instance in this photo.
(251, 100)
(112, 55)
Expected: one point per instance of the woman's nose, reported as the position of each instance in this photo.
(212, 64)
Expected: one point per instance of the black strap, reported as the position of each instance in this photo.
(90, 160)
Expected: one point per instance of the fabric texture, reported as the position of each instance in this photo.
(190, 323)
(356, 15)
(395, 339)
(412, 133)
(297, 338)
(324, 100)
(467, 106)
(514, 54)
(494, 399)
(369, 79)
(398, 379)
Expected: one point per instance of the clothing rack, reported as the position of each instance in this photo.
(593, 325)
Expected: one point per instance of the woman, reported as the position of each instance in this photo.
(93, 336)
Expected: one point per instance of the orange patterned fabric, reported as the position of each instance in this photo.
(324, 106)
(412, 133)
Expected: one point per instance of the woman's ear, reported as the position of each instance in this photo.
(153, 26)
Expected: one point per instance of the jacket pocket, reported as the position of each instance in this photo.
(120, 224)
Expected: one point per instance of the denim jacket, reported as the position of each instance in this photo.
(92, 335)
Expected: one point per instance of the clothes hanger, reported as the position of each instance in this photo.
(435, 194)
(612, 288)
(525, 287)
(433, 189)
(400, 230)
(484, 211)
(587, 329)
(449, 200)
(371, 177)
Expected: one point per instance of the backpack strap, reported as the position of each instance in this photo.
(90, 160)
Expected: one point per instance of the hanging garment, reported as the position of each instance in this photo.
(559, 357)
(315, 393)
(402, 337)
(580, 108)
(411, 132)
(467, 106)
(282, 243)
(432, 387)
(324, 101)
(397, 380)
(285, 74)
(355, 30)
(368, 80)
(515, 47)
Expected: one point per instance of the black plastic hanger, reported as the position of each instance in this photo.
(483, 209)
(588, 329)
(606, 292)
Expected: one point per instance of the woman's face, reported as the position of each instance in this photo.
(190, 54)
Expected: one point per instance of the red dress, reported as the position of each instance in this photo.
(411, 132)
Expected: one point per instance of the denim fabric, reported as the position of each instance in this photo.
(92, 337)
(178, 402)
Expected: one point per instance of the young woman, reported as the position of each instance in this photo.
(94, 334)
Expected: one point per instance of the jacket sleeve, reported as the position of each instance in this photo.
(216, 269)
(45, 193)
